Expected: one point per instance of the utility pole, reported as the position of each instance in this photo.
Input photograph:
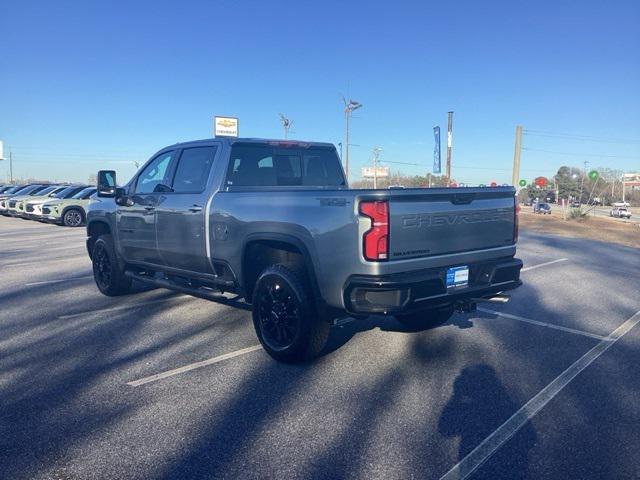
(449, 140)
(10, 166)
(286, 124)
(376, 158)
(515, 173)
(349, 107)
(584, 174)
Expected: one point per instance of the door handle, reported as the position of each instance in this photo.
(195, 208)
(149, 208)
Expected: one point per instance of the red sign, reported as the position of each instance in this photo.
(540, 181)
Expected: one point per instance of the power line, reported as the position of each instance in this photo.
(465, 167)
(402, 163)
(48, 149)
(592, 138)
(580, 154)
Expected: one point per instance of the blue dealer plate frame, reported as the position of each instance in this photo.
(458, 276)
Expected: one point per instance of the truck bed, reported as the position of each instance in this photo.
(428, 228)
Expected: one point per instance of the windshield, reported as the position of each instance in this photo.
(67, 192)
(35, 190)
(83, 194)
(17, 189)
(47, 190)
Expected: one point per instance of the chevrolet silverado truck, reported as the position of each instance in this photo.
(275, 223)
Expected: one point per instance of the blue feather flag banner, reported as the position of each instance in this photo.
(436, 150)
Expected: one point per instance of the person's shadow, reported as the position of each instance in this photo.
(478, 406)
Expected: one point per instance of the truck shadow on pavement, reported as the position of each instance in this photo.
(359, 411)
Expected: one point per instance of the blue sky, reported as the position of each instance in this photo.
(89, 85)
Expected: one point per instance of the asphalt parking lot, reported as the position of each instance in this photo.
(162, 385)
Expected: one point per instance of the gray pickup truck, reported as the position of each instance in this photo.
(275, 222)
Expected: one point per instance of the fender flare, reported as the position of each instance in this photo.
(306, 256)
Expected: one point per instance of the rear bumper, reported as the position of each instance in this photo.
(403, 292)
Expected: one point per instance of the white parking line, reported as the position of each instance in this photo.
(44, 260)
(46, 282)
(122, 307)
(493, 442)
(193, 366)
(533, 267)
(542, 324)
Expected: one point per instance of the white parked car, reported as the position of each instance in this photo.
(621, 204)
(620, 212)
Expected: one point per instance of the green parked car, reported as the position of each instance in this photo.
(70, 212)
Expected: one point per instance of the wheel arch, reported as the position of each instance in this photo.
(269, 243)
(95, 228)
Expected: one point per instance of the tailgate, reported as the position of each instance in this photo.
(441, 221)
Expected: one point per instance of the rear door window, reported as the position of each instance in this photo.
(193, 169)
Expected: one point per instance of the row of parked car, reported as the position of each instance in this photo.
(61, 204)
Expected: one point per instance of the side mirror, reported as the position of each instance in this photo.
(162, 188)
(106, 183)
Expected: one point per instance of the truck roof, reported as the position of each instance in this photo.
(232, 140)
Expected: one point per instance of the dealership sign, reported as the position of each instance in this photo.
(371, 172)
(225, 126)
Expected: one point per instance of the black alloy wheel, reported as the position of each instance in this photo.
(280, 313)
(102, 267)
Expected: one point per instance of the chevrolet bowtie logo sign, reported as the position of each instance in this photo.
(225, 126)
(225, 122)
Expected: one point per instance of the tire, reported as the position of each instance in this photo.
(284, 317)
(423, 319)
(109, 277)
(72, 218)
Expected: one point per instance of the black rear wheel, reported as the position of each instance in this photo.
(284, 317)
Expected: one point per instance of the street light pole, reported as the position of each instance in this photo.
(286, 124)
(349, 107)
(376, 155)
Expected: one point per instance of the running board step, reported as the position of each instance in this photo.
(199, 292)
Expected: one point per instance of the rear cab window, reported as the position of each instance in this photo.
(272, 165)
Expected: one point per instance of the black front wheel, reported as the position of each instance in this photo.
(109, 277)
(284, 317)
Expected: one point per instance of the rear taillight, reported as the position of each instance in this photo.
(516, 214)
(375, 241)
